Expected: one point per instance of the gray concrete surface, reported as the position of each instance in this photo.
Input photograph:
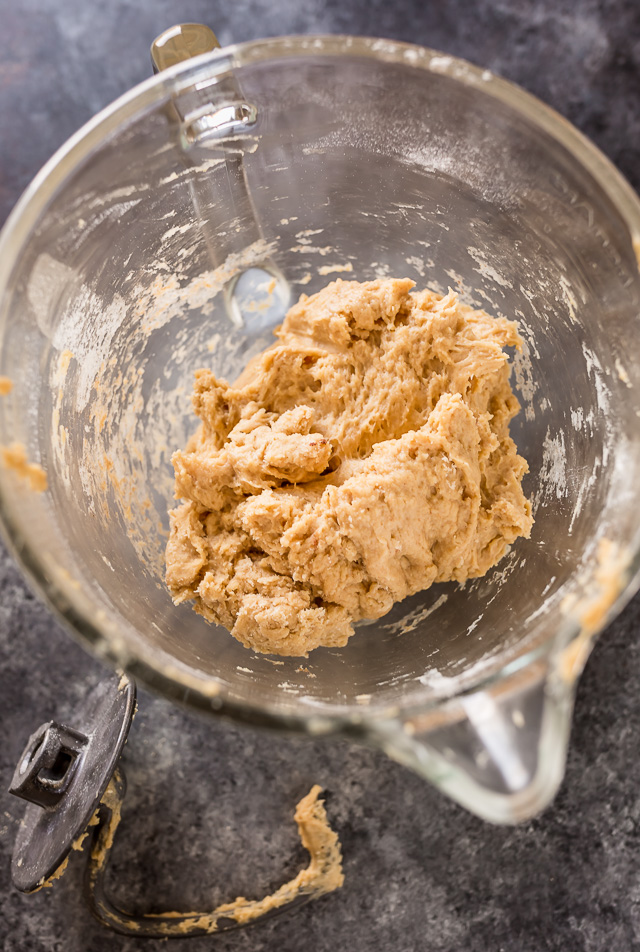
(207, 815)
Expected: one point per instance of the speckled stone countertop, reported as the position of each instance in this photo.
(208, 815)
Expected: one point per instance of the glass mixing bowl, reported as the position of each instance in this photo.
(313, 158)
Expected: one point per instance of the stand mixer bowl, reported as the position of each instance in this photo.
(312, 158)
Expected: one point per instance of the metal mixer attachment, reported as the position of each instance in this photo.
(75, 789)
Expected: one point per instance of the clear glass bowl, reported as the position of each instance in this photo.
(382, 159)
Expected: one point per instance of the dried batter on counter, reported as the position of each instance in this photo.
(361, 458)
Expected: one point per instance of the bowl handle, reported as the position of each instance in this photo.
(211, 120)
(501, 751)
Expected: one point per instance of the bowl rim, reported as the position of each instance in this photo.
(175, 680)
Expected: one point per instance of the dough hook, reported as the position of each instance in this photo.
(75, 789)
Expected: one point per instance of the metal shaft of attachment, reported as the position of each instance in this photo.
(48, 764)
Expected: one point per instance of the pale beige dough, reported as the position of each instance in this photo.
(361, 458)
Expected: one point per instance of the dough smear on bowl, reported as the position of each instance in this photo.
(361, 458)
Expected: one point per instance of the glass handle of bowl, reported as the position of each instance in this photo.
(214, 122)
(499, 752)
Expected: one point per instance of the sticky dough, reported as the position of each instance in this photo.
(361, 458)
